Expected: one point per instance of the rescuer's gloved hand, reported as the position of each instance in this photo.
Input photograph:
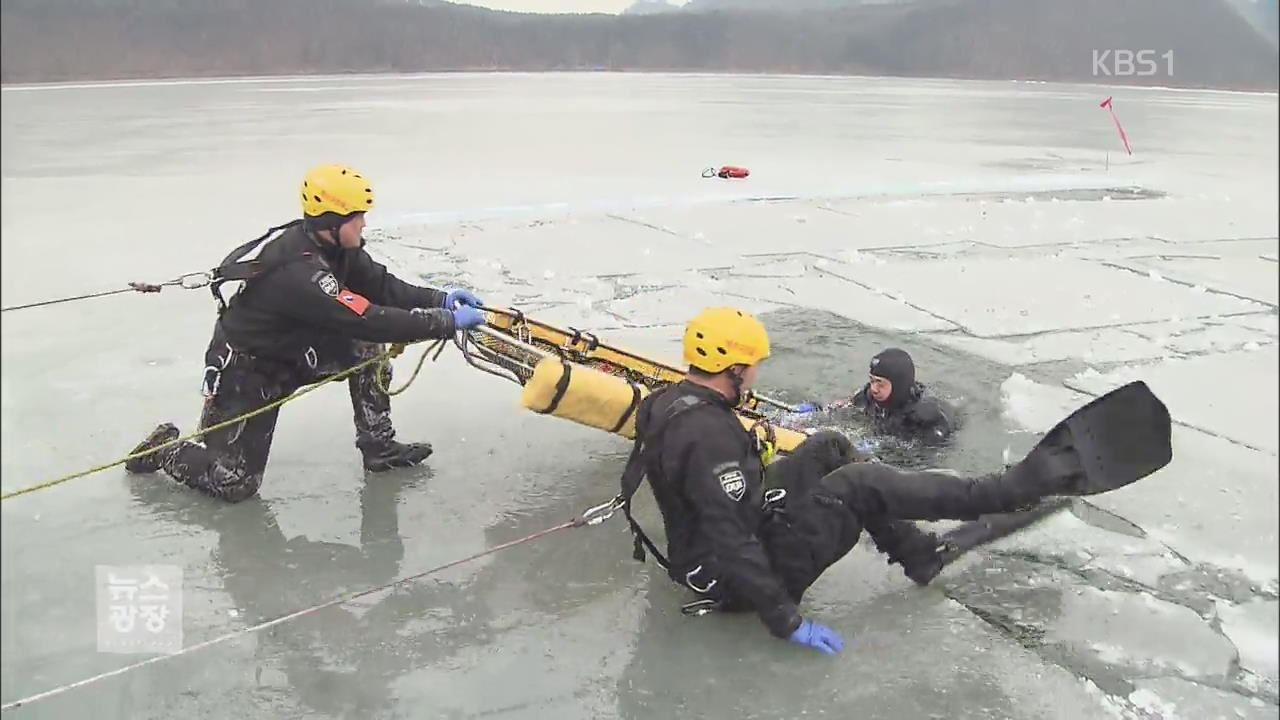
(817, 636)
(466, 317)
(459, 295)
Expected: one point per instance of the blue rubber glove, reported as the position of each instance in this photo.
(867, 446)
(808, 407)
(467, 317)
(817, 636)
(456, 296)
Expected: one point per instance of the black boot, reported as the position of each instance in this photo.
(392, 454)
(917, 551)
(163, 433)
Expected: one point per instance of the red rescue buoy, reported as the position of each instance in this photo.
(726, 171)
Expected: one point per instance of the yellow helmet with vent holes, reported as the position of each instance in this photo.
(721, 337)
(335, 189)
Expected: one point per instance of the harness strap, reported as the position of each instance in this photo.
(232, 268)
(634, 474)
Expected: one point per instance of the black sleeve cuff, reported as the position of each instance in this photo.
(782, 620)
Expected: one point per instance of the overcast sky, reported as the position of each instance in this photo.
(557, 6)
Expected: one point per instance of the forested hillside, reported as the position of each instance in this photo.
(55, 40)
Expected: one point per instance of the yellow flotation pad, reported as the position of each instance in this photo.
(584, 395)
(607, 402)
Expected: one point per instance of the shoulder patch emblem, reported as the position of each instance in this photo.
(329, 284)
(733, 484)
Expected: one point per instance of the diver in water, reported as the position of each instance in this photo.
(740, 545)
(895, 403)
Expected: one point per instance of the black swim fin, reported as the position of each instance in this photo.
(1115, 440)
(961, 539)
(955, 543)
(1111, 442)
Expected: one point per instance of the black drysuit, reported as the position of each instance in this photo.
(727, 544)
(316, 310)
(913, 415)
(909, 413)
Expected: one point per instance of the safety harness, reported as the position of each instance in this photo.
(647, 439)
(633, 476)
(646, 445)
(232, 268)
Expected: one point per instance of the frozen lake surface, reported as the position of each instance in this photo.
(997, 231)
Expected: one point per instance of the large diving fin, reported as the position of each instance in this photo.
(1113, 441)
(965, 537)
(958, 541)
(1117, 439)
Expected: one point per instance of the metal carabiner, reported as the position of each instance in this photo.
(688, 580)
(773, 496)
(213, 373)
(195, 280)
(600, 513)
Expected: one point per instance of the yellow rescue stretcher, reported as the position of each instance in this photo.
(572, 375)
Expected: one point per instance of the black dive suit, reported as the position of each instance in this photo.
(313, 310)
(910, 413)
(729, 545)
(918, 415)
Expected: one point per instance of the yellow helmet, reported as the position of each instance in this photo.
(335, 189)
(721, 337)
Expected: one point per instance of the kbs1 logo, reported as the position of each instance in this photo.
(1128, 63)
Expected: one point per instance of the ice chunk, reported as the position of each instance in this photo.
(1150, 702)
(1035, 407)
(1252, 626)
(1138, 632)
(1193, 701)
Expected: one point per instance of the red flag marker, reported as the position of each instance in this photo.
(1107, 104)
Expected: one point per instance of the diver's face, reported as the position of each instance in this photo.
(749, 376)
(881, 389)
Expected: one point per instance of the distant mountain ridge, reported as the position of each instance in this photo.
(753, 5)
(1263, 15)
(1211, 44)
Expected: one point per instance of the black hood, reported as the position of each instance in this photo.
(895, 366)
